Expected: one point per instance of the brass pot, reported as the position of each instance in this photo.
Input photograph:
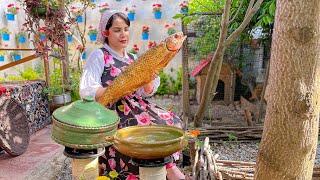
(84, 124)
(148, 142)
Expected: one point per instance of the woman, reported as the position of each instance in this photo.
(102, 66)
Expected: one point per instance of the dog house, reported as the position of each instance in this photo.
(226, 83)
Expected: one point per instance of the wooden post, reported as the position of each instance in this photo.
(65, 66)
(185, 80)
(46, 68)
(65, 59)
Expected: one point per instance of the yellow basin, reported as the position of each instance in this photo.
(149, 142)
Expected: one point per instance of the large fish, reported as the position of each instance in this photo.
(143, 69)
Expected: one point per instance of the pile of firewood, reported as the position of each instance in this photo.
(207, 166)
(227, 133)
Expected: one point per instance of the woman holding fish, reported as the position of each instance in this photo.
(127, 93)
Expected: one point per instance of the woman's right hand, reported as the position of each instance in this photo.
(100, 92)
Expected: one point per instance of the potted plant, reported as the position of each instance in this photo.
(42, 33)
(145, 32)
(21, 36)
(92, 33)
(131, 12)
(12, 10)
(82, 51)
(156, 9)
(56, 90)
(41, 8)
(2, 54)
(69, 38)
(15, 56)
(5, 33)
(103, 7)
(134, 49)
(170, 28)
(184, 7)
(77, 13)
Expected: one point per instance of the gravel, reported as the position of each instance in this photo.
(244, 151)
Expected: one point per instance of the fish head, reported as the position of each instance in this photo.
(174, 42)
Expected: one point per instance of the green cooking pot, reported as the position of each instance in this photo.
(84, 124)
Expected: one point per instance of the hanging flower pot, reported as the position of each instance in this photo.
(157, 14)
(5, 33)
(103, 7)
(69, 38)
(145, 36)
(22, 39)
(170, 28)
(156, 9)
(84, 56)
(92, 33)
(131, 16)
(16, 57)
(93, 37)
(42, 37)
(131, 12)
(145, 32)
(5, 36)
(79, 18)
(10, 17)
(184, 7)
(12, 10)
(1, 58)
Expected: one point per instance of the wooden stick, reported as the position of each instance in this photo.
(14, 63)
(17, 49)
(196, 159)
(236, 162)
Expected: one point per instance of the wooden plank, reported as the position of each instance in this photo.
(23, 60)
(17, 49)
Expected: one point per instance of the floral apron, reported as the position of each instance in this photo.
(132, 110)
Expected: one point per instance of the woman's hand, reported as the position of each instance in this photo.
(148, 88)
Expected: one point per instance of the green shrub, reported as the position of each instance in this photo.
(29, 74)
(169, 85)
(75, 82)
(14, 78)
(164, 84)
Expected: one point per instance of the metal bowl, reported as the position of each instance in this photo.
(148, 142)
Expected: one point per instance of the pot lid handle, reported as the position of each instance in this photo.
(88, 99)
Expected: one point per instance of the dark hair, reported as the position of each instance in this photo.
(112, 18)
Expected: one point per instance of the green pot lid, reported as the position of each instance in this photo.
(86, 113)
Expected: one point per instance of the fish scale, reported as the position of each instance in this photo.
(142, 70)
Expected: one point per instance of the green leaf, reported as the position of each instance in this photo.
(178, 16)
(272, 8)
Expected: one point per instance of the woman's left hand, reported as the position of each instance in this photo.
(148, 88)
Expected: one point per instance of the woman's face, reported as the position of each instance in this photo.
(118, 34)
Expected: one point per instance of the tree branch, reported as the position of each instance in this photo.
(245, 22)
(250, 7)
(235, 15)
(215, 65)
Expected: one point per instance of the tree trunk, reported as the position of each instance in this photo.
(185, 80)
(289, 140)
(214, 68)
(65, 59)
